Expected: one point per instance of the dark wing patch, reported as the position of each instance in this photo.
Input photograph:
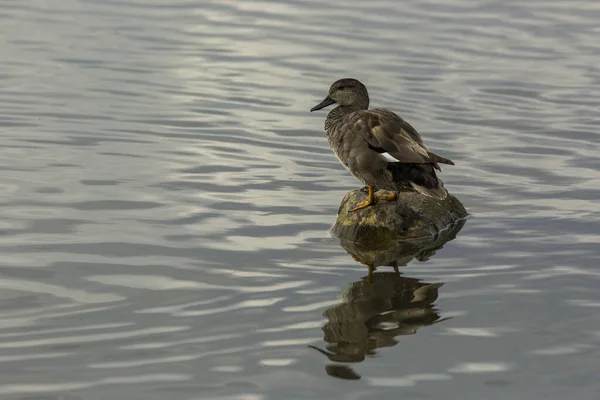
(376, 149)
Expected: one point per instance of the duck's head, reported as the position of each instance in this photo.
(347, 93)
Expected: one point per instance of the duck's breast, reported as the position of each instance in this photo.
(353, 152)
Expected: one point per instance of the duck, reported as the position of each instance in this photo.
(378, 147)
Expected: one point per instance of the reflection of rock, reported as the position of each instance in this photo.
(401, 252)
(412, 215)
(383, 305)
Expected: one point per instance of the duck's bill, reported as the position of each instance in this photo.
(327, 102)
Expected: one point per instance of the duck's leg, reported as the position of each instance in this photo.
(387, 197)
(370, 200)
(370, 273)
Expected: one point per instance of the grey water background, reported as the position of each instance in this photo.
(166, 198)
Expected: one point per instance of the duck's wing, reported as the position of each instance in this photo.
(395, 139)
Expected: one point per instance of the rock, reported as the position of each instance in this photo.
(400, 252)
(411, 216)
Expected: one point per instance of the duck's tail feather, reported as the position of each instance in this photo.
(439, 159)
(436, 192)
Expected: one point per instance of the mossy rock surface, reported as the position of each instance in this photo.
(411, 216)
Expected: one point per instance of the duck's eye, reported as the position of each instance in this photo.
(341, 88)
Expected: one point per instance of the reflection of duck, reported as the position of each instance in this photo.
(373, 314)
(381, 305)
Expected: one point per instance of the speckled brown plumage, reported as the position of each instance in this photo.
(377, 146)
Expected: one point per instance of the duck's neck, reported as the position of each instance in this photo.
(340, 111)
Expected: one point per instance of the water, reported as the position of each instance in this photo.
(166, 199)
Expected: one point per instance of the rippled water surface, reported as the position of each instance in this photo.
(166, 200)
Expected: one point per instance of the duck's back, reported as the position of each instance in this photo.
(379, 147)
